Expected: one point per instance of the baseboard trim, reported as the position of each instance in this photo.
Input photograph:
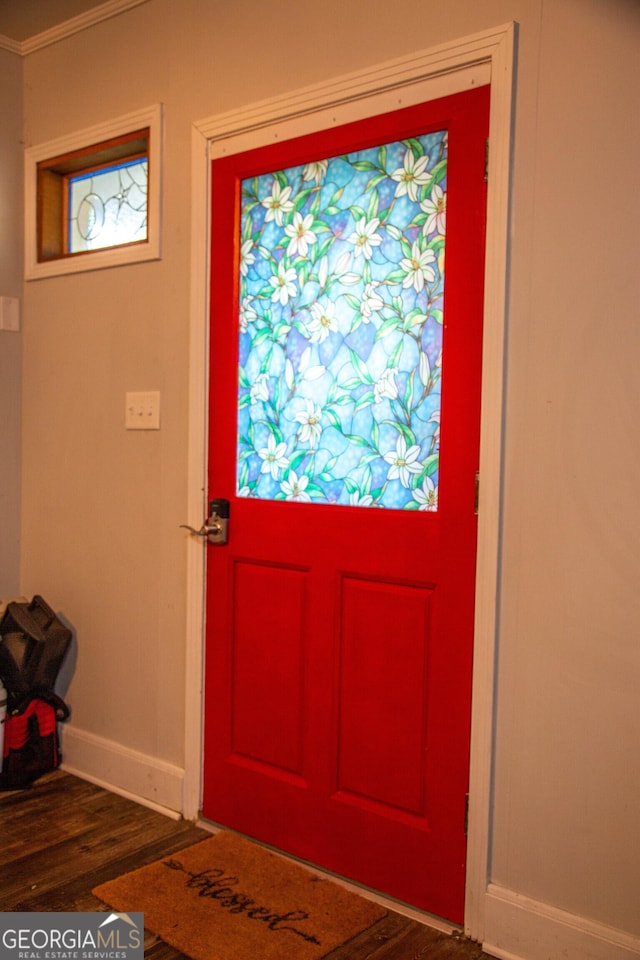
(138, 776)
(520, 928)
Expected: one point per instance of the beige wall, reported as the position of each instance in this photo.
(11, 272)
(102, 506)
(568, 775)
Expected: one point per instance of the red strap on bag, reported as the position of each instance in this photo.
(18, 727)
(31, 745)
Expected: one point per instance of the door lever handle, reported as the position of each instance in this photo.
(215, 527)
(206, 530)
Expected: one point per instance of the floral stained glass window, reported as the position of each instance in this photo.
(341, 310)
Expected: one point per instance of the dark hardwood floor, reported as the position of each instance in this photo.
(63, 836)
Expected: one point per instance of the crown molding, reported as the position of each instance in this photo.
(13, 46)
(112, 8)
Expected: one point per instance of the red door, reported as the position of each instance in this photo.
(340, 612)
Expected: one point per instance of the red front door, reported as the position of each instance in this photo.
(344, 431)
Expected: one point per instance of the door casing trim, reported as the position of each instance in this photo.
(487, 57)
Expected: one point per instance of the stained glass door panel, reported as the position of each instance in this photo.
(341, 312)
(344, 431)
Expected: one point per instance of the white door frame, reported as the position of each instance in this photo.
(439, 71)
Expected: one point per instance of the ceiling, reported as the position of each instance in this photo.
(22, 19)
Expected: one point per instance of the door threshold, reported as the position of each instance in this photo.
(396, 906)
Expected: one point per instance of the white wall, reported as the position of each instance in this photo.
(11, 218)
(568, 766)
(102, 506)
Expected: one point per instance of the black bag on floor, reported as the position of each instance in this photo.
(33, 643)
(31, 743)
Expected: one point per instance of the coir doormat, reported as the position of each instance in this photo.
(227, 898)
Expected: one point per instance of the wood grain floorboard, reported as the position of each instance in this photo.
(64, 836)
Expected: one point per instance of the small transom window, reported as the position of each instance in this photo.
(95, 205)
(89, 205)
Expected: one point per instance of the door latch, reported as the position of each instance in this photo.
(216, 526)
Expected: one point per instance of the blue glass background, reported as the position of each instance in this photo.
(341, 300)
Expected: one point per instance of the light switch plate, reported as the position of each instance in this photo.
(9, 313)
(142, 410)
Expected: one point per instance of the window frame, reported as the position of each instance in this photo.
(47, 166)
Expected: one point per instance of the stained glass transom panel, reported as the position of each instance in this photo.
(108, 207)
(341, 311)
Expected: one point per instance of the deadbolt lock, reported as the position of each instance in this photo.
(218, 522)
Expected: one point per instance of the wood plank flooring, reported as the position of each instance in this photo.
(63, 836)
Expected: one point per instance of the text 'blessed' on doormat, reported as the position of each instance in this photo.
(227, 898)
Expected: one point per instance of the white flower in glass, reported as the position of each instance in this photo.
(424, 368)
(260, 388)
(278, 204)
(246, 257)
(294, 487)
(358, 499)
(311, 428)
(323, 271)
(308, 372)
(301, 234)
(364, 237)
(324, 321)
(426, 496)
(273, 457)
(283, 283)
(411, 175)
(403, 462)
(418, 267)
(436, 211)
(371, 301)
(386, 387)
(247, 313)
(343, 263)
(315, 171)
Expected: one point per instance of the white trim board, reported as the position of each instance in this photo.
(153, 783)
(448, 68)
(520, 928)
